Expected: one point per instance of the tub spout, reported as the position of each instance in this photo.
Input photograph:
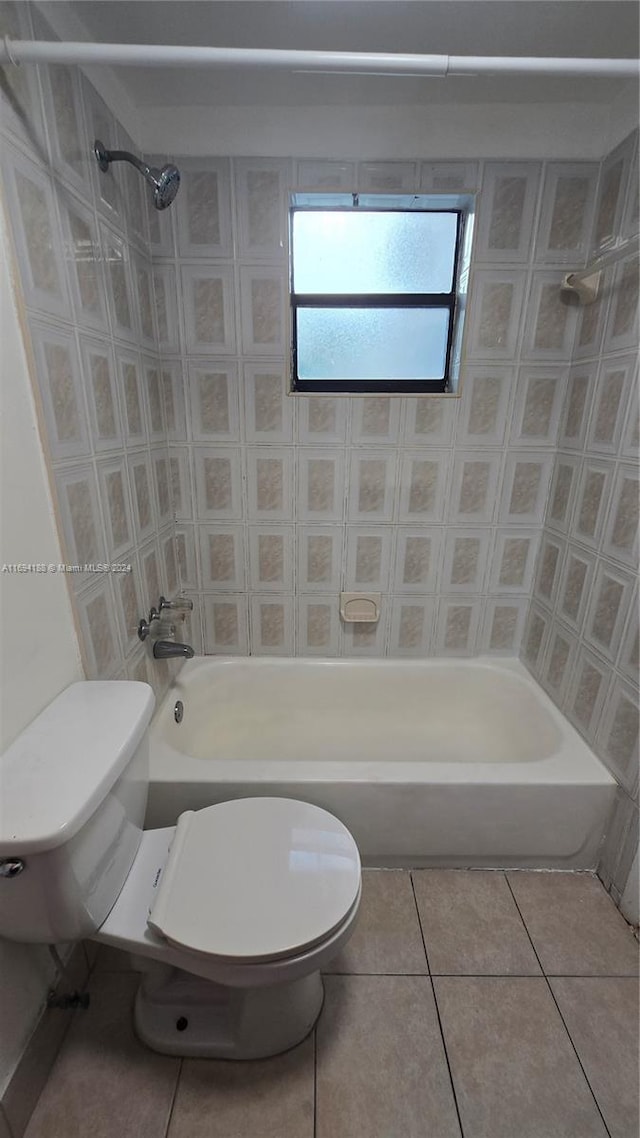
(167, 649)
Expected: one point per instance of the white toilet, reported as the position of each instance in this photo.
(230, 915)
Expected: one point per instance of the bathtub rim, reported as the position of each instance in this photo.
(574, 763)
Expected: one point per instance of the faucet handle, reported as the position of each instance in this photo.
(178, 604)
(150, 625)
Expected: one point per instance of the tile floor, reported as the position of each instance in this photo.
(467, 1005)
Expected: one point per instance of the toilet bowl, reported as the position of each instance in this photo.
(230, 915)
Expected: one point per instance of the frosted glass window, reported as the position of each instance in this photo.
(376, 294)
(363, 251)
(372, 343)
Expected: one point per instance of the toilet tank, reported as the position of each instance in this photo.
(73, 794)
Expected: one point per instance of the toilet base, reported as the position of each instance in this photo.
(177, 1013)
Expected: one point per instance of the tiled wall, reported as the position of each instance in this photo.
(581, 641)
(81, 240)
(437, 503)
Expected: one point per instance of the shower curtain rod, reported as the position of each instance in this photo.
(363, 63)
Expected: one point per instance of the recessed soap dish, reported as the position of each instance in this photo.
(360, 608)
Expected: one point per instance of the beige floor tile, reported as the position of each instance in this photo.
(104, 1083)
(387, 936)
(381, 1068)
(270, 1098)
(471, 924)
(574, 925)
(602, 1018)
(514, 1069)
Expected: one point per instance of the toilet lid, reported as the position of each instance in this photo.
(256, 879)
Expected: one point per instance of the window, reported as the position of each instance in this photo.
(375, 292)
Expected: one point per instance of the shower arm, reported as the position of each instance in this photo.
(106, 157)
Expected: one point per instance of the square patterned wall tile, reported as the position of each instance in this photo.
(611, 398)
(321, 482)
(38, 239)
(472, 487)
(464, 568)
(213, 401)
(430, 422)
(568, 201)
(262, 307)
(261, 185)
(525, 487)
(268, 412)
(322, 422)
(503, 625)
(538, 404)
(318, 626)
(494, 319)
(86, 271)
(203, 209)
(272, 625)
(513, 561)
(505, 221)
(485, 406)
(577, 405)
(418, 558)
(270, 488)
(558, 662)
(550, 325)
(209, 309)
(222, 557)
(457, 625)
(372, 484)
(368, 563)
(271, 558)
(411, 629)
(226, 624)
(319, 556)
(621, 533)
(621, 331)
(618, 734)
(218, 483)
(165, 290)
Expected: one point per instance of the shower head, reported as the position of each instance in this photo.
(165, 182)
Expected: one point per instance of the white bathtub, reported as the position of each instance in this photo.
(431, 762)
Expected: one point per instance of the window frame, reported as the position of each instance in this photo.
(449, 300)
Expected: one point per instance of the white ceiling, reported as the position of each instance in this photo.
(600, 28)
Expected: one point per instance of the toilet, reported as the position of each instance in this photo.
(230, 915)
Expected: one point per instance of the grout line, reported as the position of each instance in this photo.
(435, 1001)
(553, 997)
(174, 1097)
(499, 975)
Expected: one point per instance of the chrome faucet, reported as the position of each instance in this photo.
(167, 649)
(178, 604)
(160, 627)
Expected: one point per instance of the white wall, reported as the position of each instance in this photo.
(565, 131)
(39, 653)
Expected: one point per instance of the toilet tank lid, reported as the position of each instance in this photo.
(60, 768)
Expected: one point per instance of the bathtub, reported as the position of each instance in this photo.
(430, 762)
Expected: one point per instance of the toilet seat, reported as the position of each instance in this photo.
(256, 879)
